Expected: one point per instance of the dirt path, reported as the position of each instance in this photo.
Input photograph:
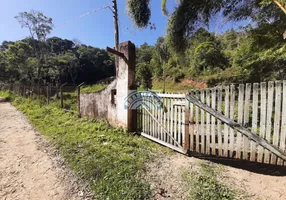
(255, 183)
(27, 168)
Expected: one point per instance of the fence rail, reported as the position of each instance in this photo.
(65, 96)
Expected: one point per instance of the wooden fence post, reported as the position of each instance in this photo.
(48, 95)
(61, 95)
(39, 92)
(24, 91)
(187, 123)
(78, 99)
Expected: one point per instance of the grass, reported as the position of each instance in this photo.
(93, 88)
(69, 101)
(110, 159)
(205, 184)
(171, 86)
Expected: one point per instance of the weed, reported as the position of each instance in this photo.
(93, 88)
(205, 184)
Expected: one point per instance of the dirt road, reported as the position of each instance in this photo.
(251, 181)
(27, 168)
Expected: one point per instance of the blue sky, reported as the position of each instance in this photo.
(95, 29)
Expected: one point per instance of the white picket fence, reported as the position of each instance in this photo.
(259, 107)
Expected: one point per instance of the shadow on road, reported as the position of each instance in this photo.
(259, 168)
(3, 100)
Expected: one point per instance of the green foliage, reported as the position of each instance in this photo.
(206, 186)
(164, 7)
(162, 49)
(171, 86)
(64, 62)
(139, 11)
(207, 55)
(110, 159)
(4, 94)
(93, 88)
(16, 63)
(144, 75)
(250, 54)
(41, 60)
(185, 18)
(188, 16)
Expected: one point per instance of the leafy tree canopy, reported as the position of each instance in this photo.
(189, 15)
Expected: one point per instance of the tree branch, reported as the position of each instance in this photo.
(280, 6)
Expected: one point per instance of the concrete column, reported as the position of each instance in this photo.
(126, 84)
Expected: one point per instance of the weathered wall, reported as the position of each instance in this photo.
(101, 105)
(98, 105)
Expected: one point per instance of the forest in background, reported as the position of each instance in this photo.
(61, 61)
(38, 59)
(252, 53)
(249, 54)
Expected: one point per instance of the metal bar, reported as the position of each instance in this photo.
(163, 127)
(163, 143)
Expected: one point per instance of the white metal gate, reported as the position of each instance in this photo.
(164, 125)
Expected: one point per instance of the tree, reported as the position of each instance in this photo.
(144, 53)
(5, 45)
(205, 51)
(39, 27)
(38, 24)
(16, 57)
(96, 64)
(144, 70)
(3, 65)
(139, 11)
(68, 66)
(57, 45)
(144, 75)
(162, 50)
(189, 15)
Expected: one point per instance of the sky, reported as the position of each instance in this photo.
(95, 29)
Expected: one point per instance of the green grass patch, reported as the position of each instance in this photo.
(6, 95)
(205, 184)
(171, 86)
(93, 88)
(111, 159)
(69, 101)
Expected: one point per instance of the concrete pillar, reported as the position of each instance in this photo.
(125, 85)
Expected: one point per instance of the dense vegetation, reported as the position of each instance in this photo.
(188, 15)
(41, 60)
(250, 53)
(246, 55)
